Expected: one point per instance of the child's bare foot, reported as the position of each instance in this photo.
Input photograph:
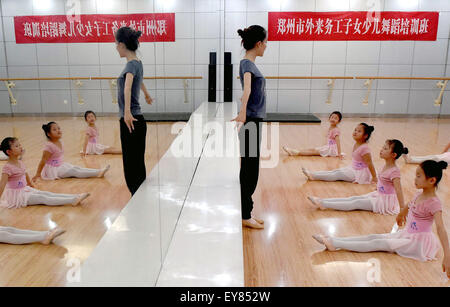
(328, 244)
(258, 220)
(316, 202)
(290, 152)
(52, 234)
(251, 223)
(318, 238)
(307, 173)
(103, 172)
(80, 198)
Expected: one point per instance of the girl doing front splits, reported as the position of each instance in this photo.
(333, 147)
(416, 240)
(16, 188)
(361, 171)
(387, 199)
(52, 165)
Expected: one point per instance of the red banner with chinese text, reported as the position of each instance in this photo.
(350, 26)
(95, 28)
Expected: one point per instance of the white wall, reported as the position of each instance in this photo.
(307, 58)
(210, 25)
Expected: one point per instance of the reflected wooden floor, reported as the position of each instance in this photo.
(284, 254)
(37, 265)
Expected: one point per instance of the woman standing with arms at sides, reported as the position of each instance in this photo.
(251, 114)
(133, 128)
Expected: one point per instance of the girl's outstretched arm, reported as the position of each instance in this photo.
(29, 182)
(446, 148)
(45, 156)
(399, 192)
(338, 143)
(442, 233)
(3, 182)
(367, 158)
(86, 141)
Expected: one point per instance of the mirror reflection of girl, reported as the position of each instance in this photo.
(91, 145)
(416, 240)
(16, 188)
(52, 165)
(333, 146)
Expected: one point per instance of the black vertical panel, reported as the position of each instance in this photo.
(228, 78)
(212, 74)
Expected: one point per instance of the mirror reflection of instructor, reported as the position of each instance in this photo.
(133, 128)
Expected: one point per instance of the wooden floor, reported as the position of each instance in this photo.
(37, 265)
(284, 254)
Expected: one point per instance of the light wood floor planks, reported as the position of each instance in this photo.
(37, 265)
(284, 254)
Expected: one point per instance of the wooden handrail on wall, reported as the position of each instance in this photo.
(78, 84)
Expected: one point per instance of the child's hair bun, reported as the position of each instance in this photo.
(405, 150)
(442, 164)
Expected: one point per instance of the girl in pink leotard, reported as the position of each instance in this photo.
(333, 146)
(91, 145)
(387, 199)
(416, 240)
(361, 171)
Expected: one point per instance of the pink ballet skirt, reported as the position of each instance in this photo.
(384, 199)
(17, 192)
(359, 170)
(359, 175)
(54, 167)
(94, 148)
(51, 172)
(330, 150)
(16, 198)
(417, 240)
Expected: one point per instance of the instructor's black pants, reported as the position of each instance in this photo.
(133, 152)
(250, 141)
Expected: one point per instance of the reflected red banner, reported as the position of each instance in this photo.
(95, 28)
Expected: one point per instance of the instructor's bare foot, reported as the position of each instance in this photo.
(251, 223)
(103, 172)
(52, 234)
(307, 173)
(80, 198)
(316, 202)
(259, 221)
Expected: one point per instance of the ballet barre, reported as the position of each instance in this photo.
(442, 83)
(78, 84)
